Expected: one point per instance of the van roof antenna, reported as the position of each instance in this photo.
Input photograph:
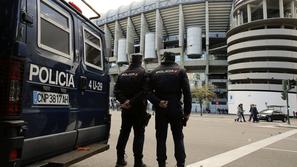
(98, 15)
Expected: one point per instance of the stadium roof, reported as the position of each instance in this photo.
(144, 6)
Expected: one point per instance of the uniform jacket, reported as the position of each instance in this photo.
(131, 85)
(169, 82)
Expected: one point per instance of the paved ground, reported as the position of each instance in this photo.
(214, 140)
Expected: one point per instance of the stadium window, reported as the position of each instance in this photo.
(244, 14)
(295, 6)
(288, 11)
(273, 9)
(257, 10)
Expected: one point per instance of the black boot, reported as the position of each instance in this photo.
(162, 164)
(139, 163)
(180, 165)
(121, 162)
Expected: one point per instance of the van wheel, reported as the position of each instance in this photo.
(269, 119)
(284, 119)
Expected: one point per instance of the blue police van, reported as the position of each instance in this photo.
(54, 84)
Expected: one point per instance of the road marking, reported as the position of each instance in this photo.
(232, 155)
(277, 149)
(266, 126)
(291, 139)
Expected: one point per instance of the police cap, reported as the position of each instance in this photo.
(136, 58)
(168, 57)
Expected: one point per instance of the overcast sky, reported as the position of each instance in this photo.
(102, 6)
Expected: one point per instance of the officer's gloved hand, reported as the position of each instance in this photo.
(163, 104)
(126, 104)
(185, 120)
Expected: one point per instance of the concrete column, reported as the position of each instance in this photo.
(238, 18)
(159, 34)
(117, 35)
(130, 38)
(235, 21)
(181, 33)
(107, 40)
(143, 30)
(249, 13)
(281, 8)
(264, 9)
(241, 17)
(207, 41)
(294, 14)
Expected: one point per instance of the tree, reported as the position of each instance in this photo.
(203, 94)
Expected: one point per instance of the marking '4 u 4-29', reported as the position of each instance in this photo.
(95, 85)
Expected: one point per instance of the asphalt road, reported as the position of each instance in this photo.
(213, 140)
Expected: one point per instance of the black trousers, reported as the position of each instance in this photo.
(242, 115)
(255, 118)
(251, 116)
(177, 132)
(129, 121)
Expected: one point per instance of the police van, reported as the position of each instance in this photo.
(54, 84)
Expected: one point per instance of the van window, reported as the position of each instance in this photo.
(54, 29)
(92, 50)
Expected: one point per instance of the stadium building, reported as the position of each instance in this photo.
(262, 51)
(257, 38)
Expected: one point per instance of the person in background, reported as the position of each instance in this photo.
(240, 114)
(130, 91)
(251, 113)
(168, 83)
(255, 113)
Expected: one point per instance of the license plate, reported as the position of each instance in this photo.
(49, 98)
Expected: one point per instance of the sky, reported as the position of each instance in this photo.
(102, 6)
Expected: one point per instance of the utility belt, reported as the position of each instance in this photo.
(170, 97)
(167, 94)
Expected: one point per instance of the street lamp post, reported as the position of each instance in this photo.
(288, 107)
(287, 86)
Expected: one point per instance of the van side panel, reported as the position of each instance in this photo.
(93, 112)
(41, 72)
(64, 101)
(50, 128)
(83, 117)
(39, 147)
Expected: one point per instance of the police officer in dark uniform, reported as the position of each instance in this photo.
(168, 83)
(130, 91)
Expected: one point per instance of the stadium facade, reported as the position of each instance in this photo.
(262, 51)
(206, 36)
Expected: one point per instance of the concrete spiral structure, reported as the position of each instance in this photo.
(262, 51)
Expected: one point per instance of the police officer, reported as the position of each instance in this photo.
(168, 83)
(130, 91)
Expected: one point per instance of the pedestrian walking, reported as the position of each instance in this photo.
(251, 113)
(168, 83)
(133, 104)
(255, 113)
(240, 114)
